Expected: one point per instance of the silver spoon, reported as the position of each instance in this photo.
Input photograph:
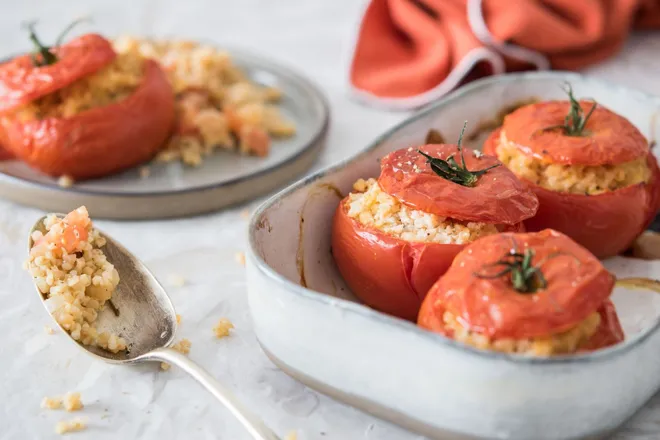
(147, 321)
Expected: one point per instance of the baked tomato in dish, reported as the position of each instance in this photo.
(393, 237)
(86, 112)
(592, 170)
(538, 294)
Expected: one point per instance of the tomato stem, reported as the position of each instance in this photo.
(525, 277)
(44, 55)
(575, 121)
(450, 170)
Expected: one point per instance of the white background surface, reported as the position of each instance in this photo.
(142, 402)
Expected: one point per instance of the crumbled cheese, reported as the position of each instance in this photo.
(70, 426)
(477, 153)
(222, 328)
(240, 258)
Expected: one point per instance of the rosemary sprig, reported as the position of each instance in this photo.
(450, 170)
(525, 277)
(43, 55)
(575, 120)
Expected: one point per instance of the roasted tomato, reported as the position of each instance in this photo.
(600, 186)
(22, 80)
(531, 293)
(79, 109)
(394, 237)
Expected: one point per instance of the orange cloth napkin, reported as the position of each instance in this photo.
(410, 52)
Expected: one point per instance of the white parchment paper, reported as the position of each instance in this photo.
(142, 402)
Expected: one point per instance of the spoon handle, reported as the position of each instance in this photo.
(252, 423)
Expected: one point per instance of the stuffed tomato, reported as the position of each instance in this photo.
(537, 294)
(592, 170)
(394, 236)
(80, 110)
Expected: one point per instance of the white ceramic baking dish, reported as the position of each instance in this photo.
(311, 325)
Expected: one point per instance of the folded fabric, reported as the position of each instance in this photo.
(410, 52)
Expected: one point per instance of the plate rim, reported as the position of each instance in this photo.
(316, 137)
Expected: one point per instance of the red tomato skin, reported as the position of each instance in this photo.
(609, 331)
(578, 285)
(21, 82)
(607, 223)
(498, 196)
(102, 140)
(611, 139)
(388, 274)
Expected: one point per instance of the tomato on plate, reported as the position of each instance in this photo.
(560, 285)
(392, 274)
(91, 143)
(608, 222)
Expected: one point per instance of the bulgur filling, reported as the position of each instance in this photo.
(218, 106)
(565, 342)
(574, 179)
(111, 84)
(77, 283)
(373, 207)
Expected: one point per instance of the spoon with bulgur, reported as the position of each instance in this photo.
(76, 270)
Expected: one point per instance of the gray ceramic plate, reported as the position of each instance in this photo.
(174, 190)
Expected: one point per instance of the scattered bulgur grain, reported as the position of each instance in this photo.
(240, 258)
(145, 172)
(49, 330)
(291, 436)
(176, 280)
(178, 318)
(65, 181)
(183, 347)
(51, 403)
(245, 213)
(72, 402)
(70, 426)
(222, 328)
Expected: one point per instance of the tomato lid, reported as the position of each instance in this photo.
(607, 139)
(21, 82)
(577, 284)
(496, 197)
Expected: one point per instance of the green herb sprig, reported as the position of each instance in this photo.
(525, 277)
(43, 55)
(575, 120)
(450, 170)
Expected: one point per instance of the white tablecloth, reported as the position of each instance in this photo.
(142, 402)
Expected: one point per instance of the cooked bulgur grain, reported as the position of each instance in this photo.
(49, 330)
(183, 347)
(51, 403)
(565, 342)
(373, 207)
(217, 104)
(222, 328)
(66, 426)
(178, 319)
(240, 258)
(291, 436)
(75, 277)
(145, 172)
(65, 182)
(575, 179)
(110, 84)
(176, 280)
(72, 402)
(245, 213)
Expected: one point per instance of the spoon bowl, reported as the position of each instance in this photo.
(141, 312)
